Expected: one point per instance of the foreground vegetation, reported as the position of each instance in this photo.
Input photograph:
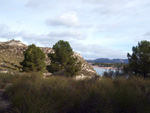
(114, 93)
(33, 94)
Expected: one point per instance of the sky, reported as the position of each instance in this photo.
(94, 28)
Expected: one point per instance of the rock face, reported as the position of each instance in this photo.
(86, 69)
(11, 53)
(13, 43)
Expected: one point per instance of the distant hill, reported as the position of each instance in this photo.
(107, 60)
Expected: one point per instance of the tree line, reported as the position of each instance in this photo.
(64, 63)
(115, 65)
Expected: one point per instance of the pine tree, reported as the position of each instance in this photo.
(139, 61)
(34, 59)
(62, 60)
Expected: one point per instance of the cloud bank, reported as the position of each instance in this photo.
(94, 28)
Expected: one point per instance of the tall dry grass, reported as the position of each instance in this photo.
(33, 94)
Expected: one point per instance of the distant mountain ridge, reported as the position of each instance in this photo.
(107, 60)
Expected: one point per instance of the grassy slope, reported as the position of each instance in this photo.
(10, 58)
(9, 61)
(32, 94)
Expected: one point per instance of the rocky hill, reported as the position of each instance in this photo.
(11, 53)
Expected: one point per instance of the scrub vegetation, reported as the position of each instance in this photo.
(34, 94)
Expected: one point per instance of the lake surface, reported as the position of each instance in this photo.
(101, 71)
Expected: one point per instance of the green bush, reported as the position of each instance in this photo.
(62, 60)
(34, 59)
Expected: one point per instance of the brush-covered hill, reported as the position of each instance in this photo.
(11, 54)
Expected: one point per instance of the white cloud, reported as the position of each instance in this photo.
(91, 26)
(119, 7)
(39, 4)
(93, 51)
(147, 34)
(87, 51)
(30, 38)
(67, 34)
(67, 20)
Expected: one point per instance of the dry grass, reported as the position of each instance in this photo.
(10, 60)
(33, 94)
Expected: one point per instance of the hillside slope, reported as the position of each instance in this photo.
(11, 53)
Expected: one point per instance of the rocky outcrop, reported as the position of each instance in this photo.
(13, 43)
(86, 69)
(11, 53)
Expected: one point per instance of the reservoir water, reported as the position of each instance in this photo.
(101, 71)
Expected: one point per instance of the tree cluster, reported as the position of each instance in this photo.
(62, 60)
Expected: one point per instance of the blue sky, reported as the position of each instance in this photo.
(94, 28)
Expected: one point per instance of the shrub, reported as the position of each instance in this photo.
(62, 60)
(34, 59)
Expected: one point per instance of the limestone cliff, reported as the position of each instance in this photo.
(11, 53)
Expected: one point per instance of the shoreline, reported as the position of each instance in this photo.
(108, 68)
